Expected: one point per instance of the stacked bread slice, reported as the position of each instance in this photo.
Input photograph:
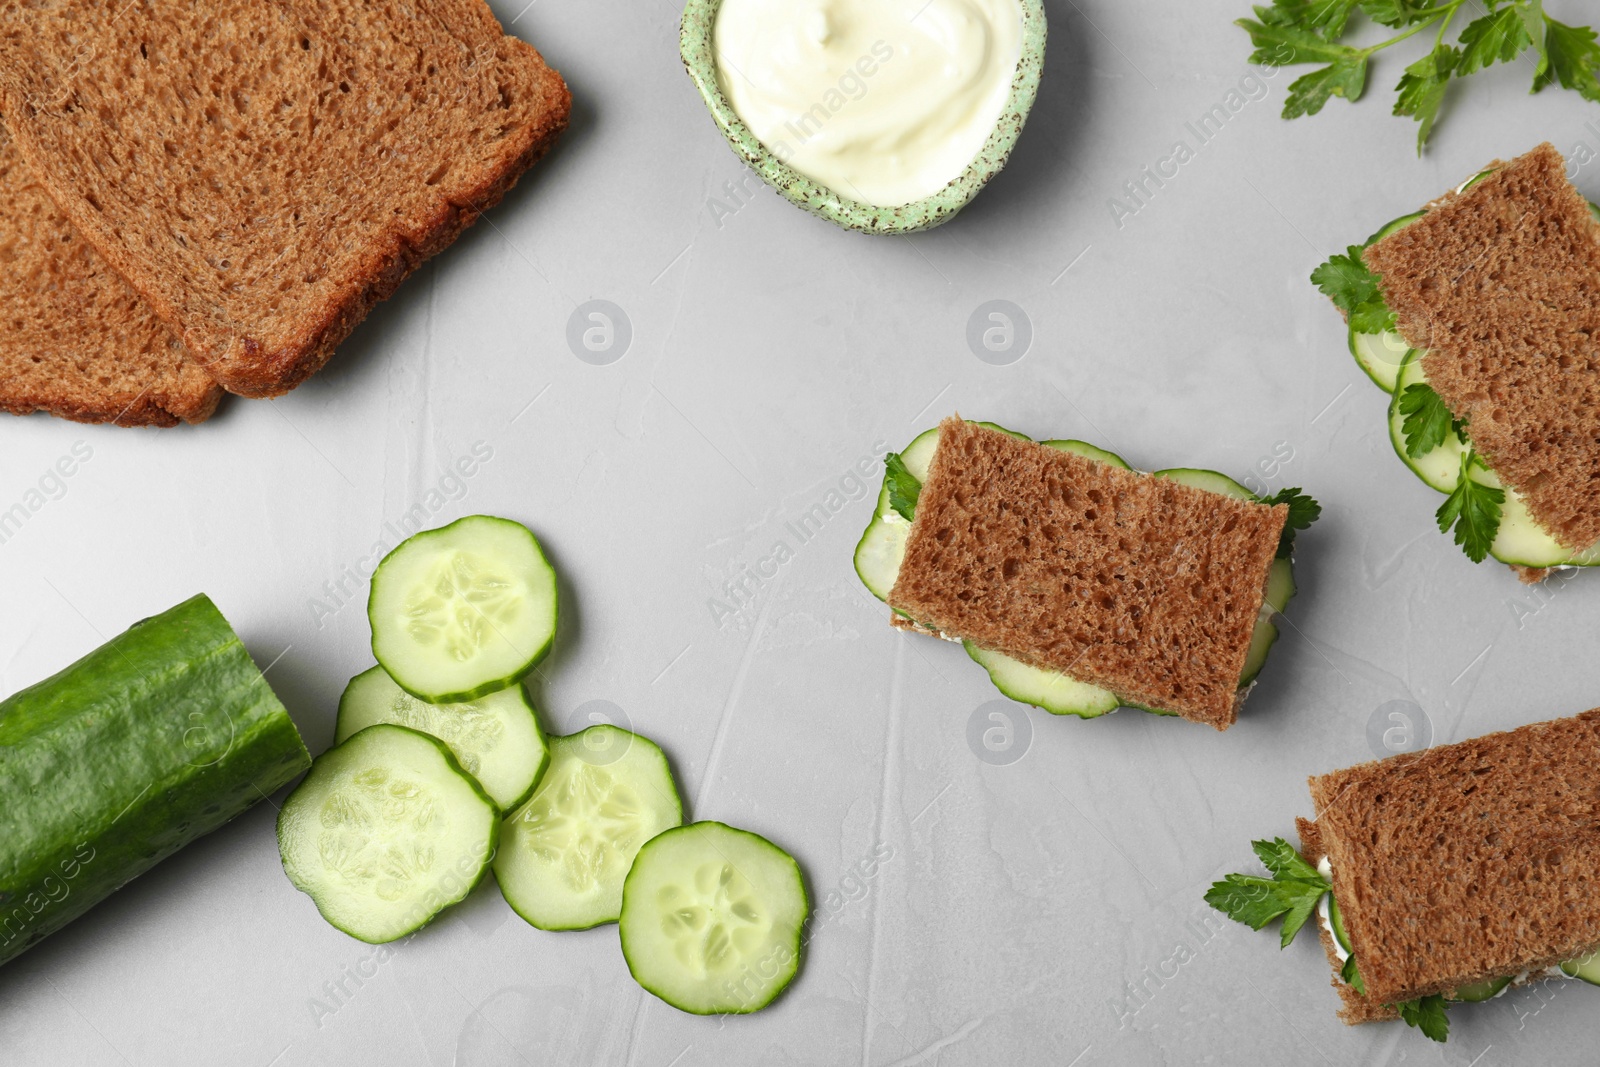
(1462, 864)
(216, 194)
(1140, 585)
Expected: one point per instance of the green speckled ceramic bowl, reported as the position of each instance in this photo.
(700, 16)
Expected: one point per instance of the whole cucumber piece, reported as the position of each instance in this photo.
(154, 739)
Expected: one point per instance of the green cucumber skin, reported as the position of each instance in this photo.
(152, 740)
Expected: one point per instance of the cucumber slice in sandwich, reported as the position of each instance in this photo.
(1336, 923)
(883, 545)
(495, 738)
(386, 832)
(1057, 693)
(1380, 355)
(1088, 451)
(1440, 467)
(564, 854)
(1585, 967)
(1478, 992)
(1520, 541)
(464, 610)
(711, 919)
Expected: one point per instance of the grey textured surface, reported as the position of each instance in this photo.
(769, 353)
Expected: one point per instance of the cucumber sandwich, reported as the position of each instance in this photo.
(1478, 315)
(1079, 584)
(1443, 876)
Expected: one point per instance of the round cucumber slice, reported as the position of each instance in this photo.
(1523, 542)
(1594, 209)
(919, 454)
(1478, 992)
(464, 610)
(564, 854)
(1057, 693)
(1585, 967)
(1336, 921)
(1084, 448)
(880, 552)
(496, 738)
(386, 832)
(711, 919)
(1381, 355)
(1208, 480)
(1439, 468)
(1474, 180)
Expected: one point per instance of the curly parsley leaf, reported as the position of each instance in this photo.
(1352, 975)
(1473, 509)
(1346, 77)
(1353, 288)
(1428, 1015)
(1303, 511)
(903, 487)
(1421, 89)
(1427, 423)
(1291, 893)
(1570, 57)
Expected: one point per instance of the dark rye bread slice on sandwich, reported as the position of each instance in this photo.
(1139, 585)
(264, 173)
(1498, 288)
(75, 341)
(1465, 863)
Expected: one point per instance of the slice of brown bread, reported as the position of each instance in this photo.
(75, 340)
(1136, 584)
(264, 173)
(1467, 862)
(1501, 285)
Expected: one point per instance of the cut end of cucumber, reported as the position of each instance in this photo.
(385, 832)
(495, 738)
(711, 919)
(464, 610)
(565, 853)
(1380, 355)
(1478, 992)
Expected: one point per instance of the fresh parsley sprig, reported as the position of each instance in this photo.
(1427, 1014)
(1427, 423)
(1289, 32)
(1353, 288)
(903, 486)
(1303, 511)
(1473, 508)
(1292, 892)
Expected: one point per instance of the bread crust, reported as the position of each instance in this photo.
(266, 328)
(1142, 586)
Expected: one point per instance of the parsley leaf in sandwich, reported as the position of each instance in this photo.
(1427, 421)
(1353, 288)
(1303, 511)
(1291, 893)
(1473, 508)
(903, 488)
